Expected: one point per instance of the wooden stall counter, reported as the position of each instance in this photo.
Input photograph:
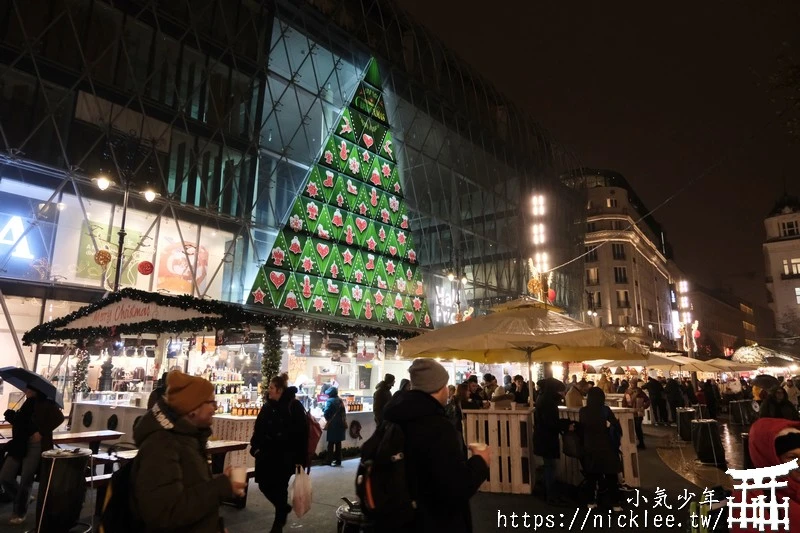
(508, 432)
(235, 428)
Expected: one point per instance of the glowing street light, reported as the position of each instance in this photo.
(103, 183)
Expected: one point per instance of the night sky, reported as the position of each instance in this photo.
(658, 92)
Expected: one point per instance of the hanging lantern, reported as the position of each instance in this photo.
(551, 295)
(145, 268)
(102, 257)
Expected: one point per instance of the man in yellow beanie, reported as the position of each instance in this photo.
(174, 488)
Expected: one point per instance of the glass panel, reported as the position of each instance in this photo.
(101, 42)
(165, 66)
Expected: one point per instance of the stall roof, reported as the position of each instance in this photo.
(133, 312)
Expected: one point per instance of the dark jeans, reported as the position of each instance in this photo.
(20, 492)
(335, 451)
(277, 492)
(637, 427)
(549, 477)
(604, 489)
(660, 411)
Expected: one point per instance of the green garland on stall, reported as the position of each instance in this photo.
(270, 359)
(229, 316)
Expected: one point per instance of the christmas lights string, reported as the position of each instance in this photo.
(722, 159)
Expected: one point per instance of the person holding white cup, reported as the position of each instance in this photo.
(445, 479)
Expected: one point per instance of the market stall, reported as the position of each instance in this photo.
(115, 351)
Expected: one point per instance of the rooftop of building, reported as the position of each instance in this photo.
(785, 204)
(583, 178)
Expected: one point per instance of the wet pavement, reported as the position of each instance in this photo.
(668, 466)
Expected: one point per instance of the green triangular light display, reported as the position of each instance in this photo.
(346, 247)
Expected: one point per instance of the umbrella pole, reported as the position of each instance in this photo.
(530, 378)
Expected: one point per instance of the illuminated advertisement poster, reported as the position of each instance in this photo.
(180, 262)
(87, 268)
(26, 231)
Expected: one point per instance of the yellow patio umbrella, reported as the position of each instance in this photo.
(525, 333)
(680, 363)
(727, 365)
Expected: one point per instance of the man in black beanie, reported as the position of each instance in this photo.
(441, 478)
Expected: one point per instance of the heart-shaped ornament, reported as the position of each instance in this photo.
(368, 140)
(361, 224)
(323, 250)
(277, 279)
(409, 317)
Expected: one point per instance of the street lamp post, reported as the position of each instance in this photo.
(122, 234)
(134, 145)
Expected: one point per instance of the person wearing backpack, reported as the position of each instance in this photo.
(601, 460)
(439, 476)
(279, 444)
(336, 428)
(174, 490)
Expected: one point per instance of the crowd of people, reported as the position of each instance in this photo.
(175, 490)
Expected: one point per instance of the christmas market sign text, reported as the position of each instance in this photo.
(128, 311)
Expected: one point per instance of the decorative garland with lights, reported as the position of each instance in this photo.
(271, 358)
(79, 384)
(228, 316)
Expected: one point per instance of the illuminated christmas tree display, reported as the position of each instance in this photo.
(346, 249)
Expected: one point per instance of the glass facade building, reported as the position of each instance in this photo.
(223, 107)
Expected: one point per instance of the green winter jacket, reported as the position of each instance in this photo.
(174, 489)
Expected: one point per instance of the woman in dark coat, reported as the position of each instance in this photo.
(777, 405)
(279, 444)
(711, 398)
(31, 433)
(336, 415)
(674, 397)
(601, 461)
(546, 429)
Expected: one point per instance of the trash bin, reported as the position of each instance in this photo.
(707, 442)
(742, 412)
(702, 410)
(62, 490)
(350, 519)
(685, 417)
(747, 460)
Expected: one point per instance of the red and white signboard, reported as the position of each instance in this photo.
(128, 311)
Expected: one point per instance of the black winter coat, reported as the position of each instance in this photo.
(280, 439)
(600, 455)
(380, 399)
(655, 389)
(40, 415)
(441, 477)
(547, 426)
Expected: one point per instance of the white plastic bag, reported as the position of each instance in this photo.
(300, 492)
